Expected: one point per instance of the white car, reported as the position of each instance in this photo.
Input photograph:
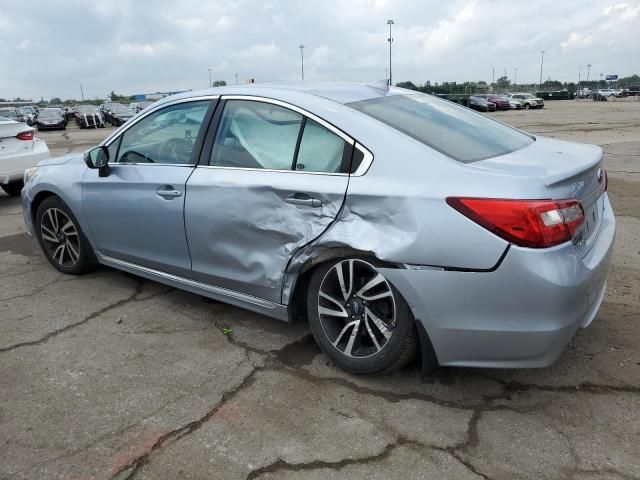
(528, 100)
(606, 92)
(19, 150)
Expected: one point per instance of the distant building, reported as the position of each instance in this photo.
(154, 96)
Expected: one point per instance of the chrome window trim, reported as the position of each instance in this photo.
(151, 164)
(362, 169)
(120, 131)
(299, 110)
(366, 161)
(273, 170)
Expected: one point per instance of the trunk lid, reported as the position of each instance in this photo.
(569, 170)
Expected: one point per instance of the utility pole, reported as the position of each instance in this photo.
(81, 92)
(390, 40)
(579, 77)
(301, 47)
(541, 64)
(210, 82)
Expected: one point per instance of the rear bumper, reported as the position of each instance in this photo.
(520, 315)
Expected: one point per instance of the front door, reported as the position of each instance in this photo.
(136, 213)
(275, 180)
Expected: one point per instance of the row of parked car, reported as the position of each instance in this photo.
(607, 93)
(491, 102)
(57, 117)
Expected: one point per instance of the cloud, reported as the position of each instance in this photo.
(128, 49)
(151, 45)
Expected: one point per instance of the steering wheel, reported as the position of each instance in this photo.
(178, 150)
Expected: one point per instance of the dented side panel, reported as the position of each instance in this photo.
(242, 231)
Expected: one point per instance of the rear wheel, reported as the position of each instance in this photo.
(61, 238)
(13, 189)
(358, 318)
(527, 106)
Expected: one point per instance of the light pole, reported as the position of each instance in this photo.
(236, 78)
(588, 71)
(210, 83)
(515, 77)
(390, 40)
(541, 64)
(302, 60)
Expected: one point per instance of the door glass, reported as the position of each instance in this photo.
(256, 135)
(164, 137)
(320, 149)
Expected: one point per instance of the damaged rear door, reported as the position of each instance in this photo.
(271, 179)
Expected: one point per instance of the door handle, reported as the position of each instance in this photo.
(303, 200)
(168, 192)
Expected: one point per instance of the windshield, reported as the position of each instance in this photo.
(455, 131)
(50, 114)
(9, 113)
(122, 109)
(87, 109)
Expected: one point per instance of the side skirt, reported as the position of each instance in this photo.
(248, 302)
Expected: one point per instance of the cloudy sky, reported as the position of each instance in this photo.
(49, 47)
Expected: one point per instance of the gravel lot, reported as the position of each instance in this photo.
(112, 376)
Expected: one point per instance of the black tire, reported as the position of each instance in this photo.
(76, 261)
(371, 350)
(527, 106)
(13, 189)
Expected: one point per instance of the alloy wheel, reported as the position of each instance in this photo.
(60, 237)
(357, 308)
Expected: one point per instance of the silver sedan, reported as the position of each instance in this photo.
(392, 220)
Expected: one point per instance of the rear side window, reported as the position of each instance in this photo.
(455, 131)
(320, 150)
(256, 135)
(262, 135)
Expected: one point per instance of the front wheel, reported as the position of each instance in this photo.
(358, 318)
(61, 238)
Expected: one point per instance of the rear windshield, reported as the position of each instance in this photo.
(451, 129)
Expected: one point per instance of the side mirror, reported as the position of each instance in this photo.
(98, 158)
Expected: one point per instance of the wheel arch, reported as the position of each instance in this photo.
(299, 287)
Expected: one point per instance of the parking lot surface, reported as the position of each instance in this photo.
(111, 376)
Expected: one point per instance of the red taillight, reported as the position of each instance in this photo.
(25, 135)
(527, 223)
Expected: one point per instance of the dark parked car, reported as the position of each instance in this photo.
(12, 114)
(481, 104)
(89, 116)
(107, 109)
(498, 101)
(633, 90)
(51, 119)
(120, 114)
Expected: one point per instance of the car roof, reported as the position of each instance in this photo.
(339, 92)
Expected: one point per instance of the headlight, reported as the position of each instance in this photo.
(29, 173)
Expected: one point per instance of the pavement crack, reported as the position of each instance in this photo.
(86, 319)
(174, 435)
(281, 465)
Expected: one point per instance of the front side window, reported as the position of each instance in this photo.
(164, 137)
(455, 131)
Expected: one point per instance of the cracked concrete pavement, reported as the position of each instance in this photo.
(109, 376)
